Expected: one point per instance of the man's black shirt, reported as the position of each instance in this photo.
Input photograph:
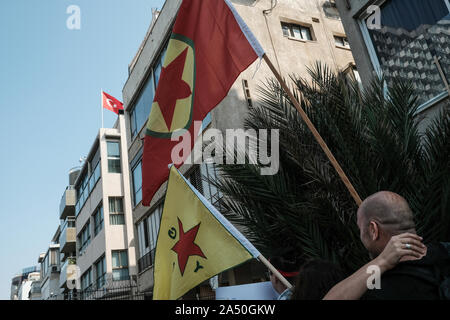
(415, 280)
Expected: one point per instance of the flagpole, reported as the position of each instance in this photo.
(315, 133)
(101, 105)
(275, 271)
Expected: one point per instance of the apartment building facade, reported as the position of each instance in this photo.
(30, 287)
(31, 277)
(67, 239)
(50, 263)
(105, 254)
(15, 285)
(403, 39)
(92, 251)
(295, 34)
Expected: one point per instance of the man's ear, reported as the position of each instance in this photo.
(277, 281)
(374, 232)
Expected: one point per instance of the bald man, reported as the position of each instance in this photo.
(381, 216)
(384, 215)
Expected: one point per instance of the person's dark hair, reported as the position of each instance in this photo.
(316, 277)
(284, 265)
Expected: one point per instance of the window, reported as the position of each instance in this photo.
(209, 173)
(44, 266)
(200, 178)
(158, 65)
(137, 183)
(146, 237)
(98, 220)
(352, 72)
(84, 182)
(86, 280)
(247, 93)
(116, 216)
(54, 257)
(141, 111)
(100, 269)
(82, 190)
(113, 156)
(341, 42)
(296, 31)
(206, 121)
(120, 265)
(195, 178)
(85, 237)
(148, 230)
(404, 45)
(88, 183)
(95, 159)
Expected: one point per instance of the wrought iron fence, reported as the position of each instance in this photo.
(120, 292)
(147, 260)
(123, 293)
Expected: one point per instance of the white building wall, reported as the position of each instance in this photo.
(111, 237)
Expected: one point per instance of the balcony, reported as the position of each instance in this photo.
(68, 273)
(67, 239)
(36, 288)
(67, 204)
(146, 261)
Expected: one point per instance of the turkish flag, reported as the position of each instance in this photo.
(209, 47)
(111, 103)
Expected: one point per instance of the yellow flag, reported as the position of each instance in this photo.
(195, 241)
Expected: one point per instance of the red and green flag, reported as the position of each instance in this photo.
(209, 47)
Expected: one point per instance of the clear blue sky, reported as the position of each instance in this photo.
(50, 81)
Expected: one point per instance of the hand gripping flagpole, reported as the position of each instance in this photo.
(275, 271)
(315, 133)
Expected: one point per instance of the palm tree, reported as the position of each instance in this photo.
(305, 210)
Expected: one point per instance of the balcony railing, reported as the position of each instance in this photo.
(88, 188)
(67, 204)
(67, 238)
(36, 287)
(124, 291)
(68, 272)
(147, 260)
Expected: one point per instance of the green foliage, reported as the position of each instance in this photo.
(305, 210)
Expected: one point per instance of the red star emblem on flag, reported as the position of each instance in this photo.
(172, 87)
(185, 247)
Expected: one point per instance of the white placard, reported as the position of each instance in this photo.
(253, 291)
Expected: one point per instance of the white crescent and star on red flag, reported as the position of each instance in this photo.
(111, 103)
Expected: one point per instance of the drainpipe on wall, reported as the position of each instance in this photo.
(266, 12)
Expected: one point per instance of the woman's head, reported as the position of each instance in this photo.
(316, 277)
(287, 268)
